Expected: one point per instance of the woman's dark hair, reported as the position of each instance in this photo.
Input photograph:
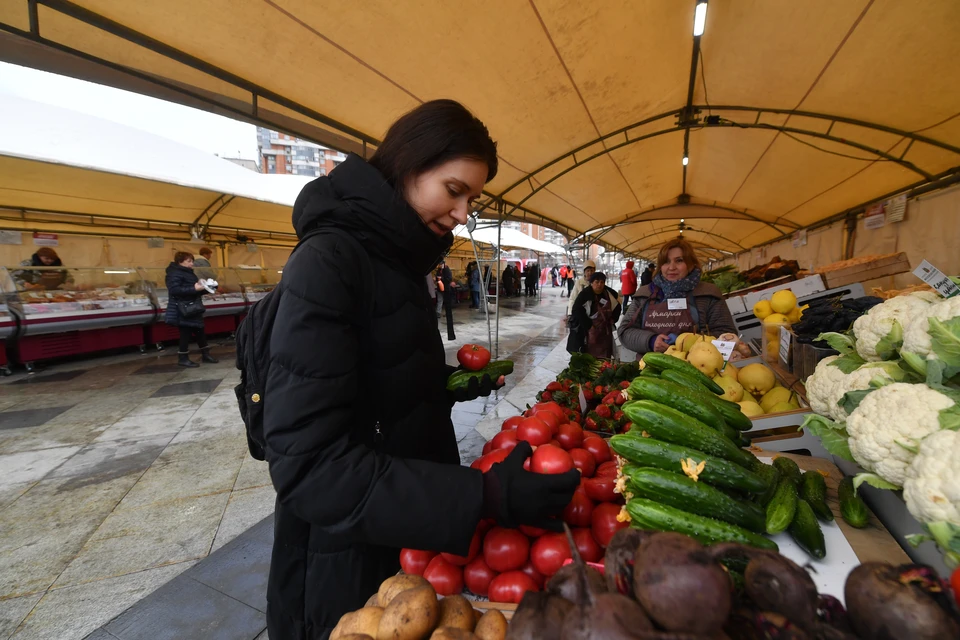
(180, 256)
(428, 136)
(598, 275)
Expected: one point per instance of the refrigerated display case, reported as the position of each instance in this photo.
(223, 306)
(258, 281)
(9, 321)
(68, 311)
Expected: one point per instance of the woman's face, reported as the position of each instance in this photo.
(46, 260)
(676, 267)
(587, 272)
(443, 196)
(598, 286)
(188, 263)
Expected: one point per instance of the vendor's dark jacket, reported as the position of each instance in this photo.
(180, 281)
(359, 439)
(714, 317)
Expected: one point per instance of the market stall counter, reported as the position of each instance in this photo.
(9, 324)
(69, 311)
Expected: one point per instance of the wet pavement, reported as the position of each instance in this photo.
(130, 508)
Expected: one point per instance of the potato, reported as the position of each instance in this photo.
(452, 633)
(456, 611)
(411, 615)
(373, 601)
(364, 621)
(397, 584)
(491, 626)
(477, 614)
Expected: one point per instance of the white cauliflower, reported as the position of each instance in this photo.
(916, 338)
(931, 487)
(887, 427)
(828, 384)
(896, 314)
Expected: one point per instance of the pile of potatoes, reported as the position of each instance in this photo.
(406, 608)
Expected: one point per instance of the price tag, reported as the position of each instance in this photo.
(785, 338)
(725, 347)
(676, 304)
(583, 402)
(936, 279)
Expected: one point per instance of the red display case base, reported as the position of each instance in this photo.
(160, 332)
(70, 343)
(220, 324)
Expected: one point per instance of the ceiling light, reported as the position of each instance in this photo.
(116, 272)
(686, 160)
(699, 19)
(681, 220)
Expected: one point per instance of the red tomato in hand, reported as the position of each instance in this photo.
(570, 436)
(550, 459)
(580, 509)
(445, 578)
(533, 573)
(505, 549)
(550, 407)
(471, 554)
(607, 470)
(535, 431)
(604, 523)
(510, 587)
(589, 550)
(600, 489)
(533, 532)
(511, 423)
(548, 553)
(504, 440)
(414, 561)
(483, 463)
(583, 460)
(477, 576)
(599, 448)
(473, 357)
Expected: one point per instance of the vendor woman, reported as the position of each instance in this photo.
(675, 302)
(359, 440)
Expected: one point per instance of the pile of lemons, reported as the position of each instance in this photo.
(781, 308)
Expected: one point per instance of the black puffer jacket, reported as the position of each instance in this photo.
(348, 497)
(180, 283)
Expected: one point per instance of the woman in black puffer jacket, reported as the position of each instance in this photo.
(183, 285)
(361, 447)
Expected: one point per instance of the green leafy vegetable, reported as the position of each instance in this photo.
(848, 363)
(873, 480)
(889, 346)
(946, 535)
(833, 435)
(852, 399)
(839, 342)
(945, 340)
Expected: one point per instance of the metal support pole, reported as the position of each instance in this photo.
(496, 348)
(486, 289)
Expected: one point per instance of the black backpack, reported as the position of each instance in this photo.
(253, 348)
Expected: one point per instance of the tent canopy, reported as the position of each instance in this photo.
(75, 171)
(789, 113)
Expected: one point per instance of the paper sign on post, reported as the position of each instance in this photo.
(725, 347)
(936, 279)
(675, 304)
(785, 337)
(583, 402)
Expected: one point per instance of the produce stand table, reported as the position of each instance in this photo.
(873, 543)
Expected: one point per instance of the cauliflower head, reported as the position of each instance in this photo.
(828, 384)
(931, 487)
(916, 338)
(876, 324)
(888, 426)
(821, 384)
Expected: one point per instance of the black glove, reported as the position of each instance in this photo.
(475, 388)
(513, 496)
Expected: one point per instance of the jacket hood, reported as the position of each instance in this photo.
(356, 198)
(629, 264)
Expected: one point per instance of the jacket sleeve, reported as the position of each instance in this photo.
(632, 335)
(618, 308)
(177, 287)
(577, 288)
(578, 312)
(312, 422)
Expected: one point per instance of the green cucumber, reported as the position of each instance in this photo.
(649, 372)
(683, 379)
(678, 397)
(678, 490)
(670, 425)
(460, 379)
(805, 530)
(771, 475)
(852, 507)
(652, 516)
(788, 469)
(661, 361)
(649, 452)
(782, 507)
(813, 489)
(729, 410)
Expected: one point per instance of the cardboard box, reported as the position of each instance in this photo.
(885, 266)
(736, 305)
(801, 288)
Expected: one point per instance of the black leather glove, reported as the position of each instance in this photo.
(475, 388)
(513, 496)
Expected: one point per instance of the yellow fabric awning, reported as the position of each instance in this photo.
(789, 112)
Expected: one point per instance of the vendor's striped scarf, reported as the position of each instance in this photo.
(662, 288)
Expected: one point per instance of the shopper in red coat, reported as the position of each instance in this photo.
(628, 284)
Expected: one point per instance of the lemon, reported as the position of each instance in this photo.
(794, 315)
(762, 309)
(776, 318)
(783, 301)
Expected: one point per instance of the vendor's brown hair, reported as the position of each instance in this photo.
(689, 256)
(180, 256)
(206, 252)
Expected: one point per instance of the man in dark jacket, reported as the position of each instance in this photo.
(449, 297)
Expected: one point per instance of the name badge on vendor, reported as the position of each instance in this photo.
(677, 304)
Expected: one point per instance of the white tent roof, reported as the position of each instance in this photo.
(511, 238)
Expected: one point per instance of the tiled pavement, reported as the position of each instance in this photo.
(121, 476)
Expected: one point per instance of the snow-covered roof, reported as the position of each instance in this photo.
(509, 238)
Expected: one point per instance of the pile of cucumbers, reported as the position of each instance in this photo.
(686, 470)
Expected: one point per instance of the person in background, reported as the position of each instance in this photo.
(578, 285)
(507, 280)
(184, 286)
(432, 290)
(647, 276)
(42, 278)
(201, 265)
(530, 279)
(517, 280)
(555, 276)
(473, 278)
(571, 279)
(596, 310)
(438, 285)
(449, 296)
(563, 278)
(676, 302)
(628, 284)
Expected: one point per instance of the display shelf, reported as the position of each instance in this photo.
(257, 282)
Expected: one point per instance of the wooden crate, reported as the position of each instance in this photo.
(886, 266)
